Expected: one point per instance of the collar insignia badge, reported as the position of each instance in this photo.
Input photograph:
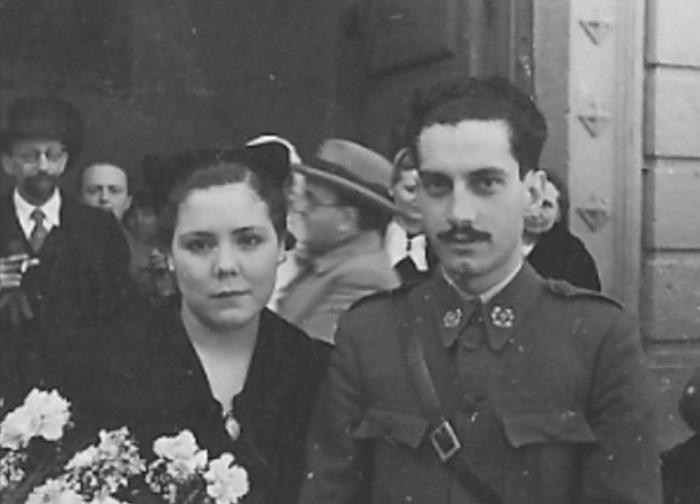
(452, 318)
(503, 318)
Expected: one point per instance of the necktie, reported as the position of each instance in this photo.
(473, 333)
(39, 232)
(415, 249)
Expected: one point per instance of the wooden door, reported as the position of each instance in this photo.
(412, 44)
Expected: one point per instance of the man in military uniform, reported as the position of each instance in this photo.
(485, 383)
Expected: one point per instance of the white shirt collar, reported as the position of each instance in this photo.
(51, 209)
(395, 243)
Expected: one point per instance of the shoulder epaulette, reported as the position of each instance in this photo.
(565, 289)
(384, 294)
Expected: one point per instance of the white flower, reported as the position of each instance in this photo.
(226, 481)
(106, 499)
(183, 454)
(43, 414)
(84, 458)
(53, 411)
(18, 427)
(54, 492)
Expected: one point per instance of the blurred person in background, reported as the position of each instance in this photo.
(63, 265)
(549, 245)
(405, 240)
(110, 188)
(679, 465)
(346, 210)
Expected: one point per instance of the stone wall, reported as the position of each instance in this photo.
(670, 302)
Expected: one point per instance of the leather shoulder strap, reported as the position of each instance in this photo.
(442, 436)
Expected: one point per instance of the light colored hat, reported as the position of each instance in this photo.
(294, 158)
(352, 169)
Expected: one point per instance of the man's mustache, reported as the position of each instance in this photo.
(463, 234)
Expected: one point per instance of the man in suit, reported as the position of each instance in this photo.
(63, 265)
(346, 210)
(405, 241)
(484, 384)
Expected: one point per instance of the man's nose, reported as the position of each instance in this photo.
(104, 196)
(226, 260)
(43, 163)
(464, 204)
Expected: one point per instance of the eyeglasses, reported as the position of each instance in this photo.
(33, 157)
(311, 203)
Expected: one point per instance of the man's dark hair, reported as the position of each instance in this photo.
(483, 99)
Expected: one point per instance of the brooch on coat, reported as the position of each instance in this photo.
(233, 428)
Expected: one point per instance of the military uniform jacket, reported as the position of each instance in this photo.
(551, 401)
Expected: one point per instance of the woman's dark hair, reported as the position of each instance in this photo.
(264, 168)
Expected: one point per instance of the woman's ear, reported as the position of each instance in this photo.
(281, 254)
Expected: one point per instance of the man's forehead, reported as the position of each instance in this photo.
(24, 144)
(467, 144)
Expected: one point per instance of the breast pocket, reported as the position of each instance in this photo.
(565, 426)
(548, 449)
(396, 438)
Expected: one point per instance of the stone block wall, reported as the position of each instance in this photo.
(670, 290)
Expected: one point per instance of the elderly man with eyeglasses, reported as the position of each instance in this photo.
(63, 265)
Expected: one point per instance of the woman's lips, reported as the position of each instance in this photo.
(229, 294)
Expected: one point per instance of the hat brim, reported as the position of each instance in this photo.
(349, 187)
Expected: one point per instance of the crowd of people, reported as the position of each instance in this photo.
(355, 330)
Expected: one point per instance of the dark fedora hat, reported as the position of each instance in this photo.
(43, 118)
(352, 169)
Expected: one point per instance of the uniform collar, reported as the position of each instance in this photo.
(501, 314)
(367, 242)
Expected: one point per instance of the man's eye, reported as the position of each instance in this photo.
(436, 185)
(488, 184)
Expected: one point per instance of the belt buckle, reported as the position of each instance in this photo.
(445, 441)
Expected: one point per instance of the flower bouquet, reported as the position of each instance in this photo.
(183, 474)
(36, 466)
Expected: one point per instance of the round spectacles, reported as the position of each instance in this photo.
(33, 157)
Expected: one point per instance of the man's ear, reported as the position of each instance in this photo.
(534, 183)
(351, 217)
(7, 164)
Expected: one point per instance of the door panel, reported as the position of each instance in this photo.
(413, 44)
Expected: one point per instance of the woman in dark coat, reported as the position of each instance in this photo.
(557, 253)
(215, 361)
